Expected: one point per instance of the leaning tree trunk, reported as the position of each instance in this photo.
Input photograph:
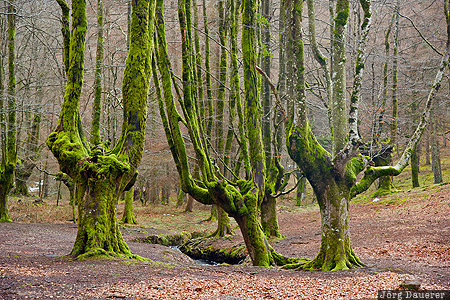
(243, 203)
(101, 177)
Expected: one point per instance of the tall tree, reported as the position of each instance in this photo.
(102, 176)
(8, 133)
(333, 177)
(276, 179)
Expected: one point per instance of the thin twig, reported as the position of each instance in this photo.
(421, 35)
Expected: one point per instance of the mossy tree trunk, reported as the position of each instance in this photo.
(128, 216)
(102, 176)
(435, 151)
(269, 219)
(8, 133)
(301, 189)
(338, 77)
(272, 124)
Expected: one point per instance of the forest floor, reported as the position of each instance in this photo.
(403, 236)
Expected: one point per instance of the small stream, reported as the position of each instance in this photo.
(198, 261)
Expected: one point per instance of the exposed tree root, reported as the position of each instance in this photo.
(350, 261)
(5, 219)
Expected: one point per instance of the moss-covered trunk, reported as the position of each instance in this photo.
(23, 173)
(332, 189)
(223, 223)
(98, 231)
(254, 239)
(128, 216)
(6, 182)
(301, 190)
(415, 155)
(95, 130)
(335, 251)
(269, 220)
(415, 167)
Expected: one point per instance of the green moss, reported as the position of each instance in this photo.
(166, 239)
(342, 14)
(4, 218)
(353, 168)
(99, 253)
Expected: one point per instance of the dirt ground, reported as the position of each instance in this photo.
(405, 236)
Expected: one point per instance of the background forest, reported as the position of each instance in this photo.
(40, 77)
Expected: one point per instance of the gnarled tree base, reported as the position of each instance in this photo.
(329, 262)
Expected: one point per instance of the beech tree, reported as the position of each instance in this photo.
(8, 127)
(333, 175)
(240, 197)
(102, 175)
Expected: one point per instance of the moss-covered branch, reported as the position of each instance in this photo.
(187, 182)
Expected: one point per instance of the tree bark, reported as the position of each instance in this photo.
(128, 216)
(301, 190)
(416, 151)
(96, 110)
(435, 153)
(338, 77)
